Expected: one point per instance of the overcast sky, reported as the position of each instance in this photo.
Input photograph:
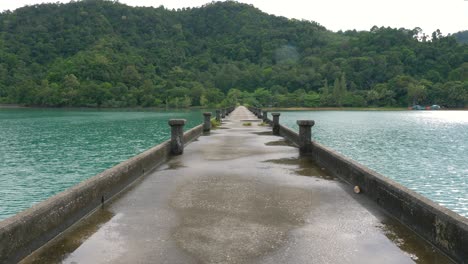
(449, 16)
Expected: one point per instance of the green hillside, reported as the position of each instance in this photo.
(103, 53)
(461, 36)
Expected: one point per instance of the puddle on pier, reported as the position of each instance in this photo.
(405, 239)
(251, 120)
(281, 142)
(303, 166)
(174, 164)
(409, 242)
(57, 250)
(263, 133)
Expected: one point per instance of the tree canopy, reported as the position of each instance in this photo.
(103, 53)
(461, 36)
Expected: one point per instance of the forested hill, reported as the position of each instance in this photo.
(462, 36)
(103, 53)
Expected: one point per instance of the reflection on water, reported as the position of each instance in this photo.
(427, 151)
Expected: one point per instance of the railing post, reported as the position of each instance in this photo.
(218, 115)
(265, 116)
(207, 122)
(305, 135)
(223, 112)
(259, 112)
(177, 136)
(276, 127)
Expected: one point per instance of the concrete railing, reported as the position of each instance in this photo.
(443, 228)
(289, 134)
(256, 111)
(223, 112)
(25, 232)
(193, 133)
(226, 111)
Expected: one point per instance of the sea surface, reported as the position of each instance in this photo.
(426, 151)
(45, 151)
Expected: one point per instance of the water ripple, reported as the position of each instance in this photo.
(46, 151)
(427, 151)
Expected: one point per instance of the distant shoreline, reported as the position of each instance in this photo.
(12, 106)
(17, 106)
(354, 109)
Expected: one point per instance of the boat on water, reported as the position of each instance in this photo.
(419, 107)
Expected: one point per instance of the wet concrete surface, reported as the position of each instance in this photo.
(239, 195)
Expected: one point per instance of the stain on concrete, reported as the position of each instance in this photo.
(234, 219)
(174, 164)
(441, 233)
(410, 242)
(63, 246)
(264, 133)
(281, 142)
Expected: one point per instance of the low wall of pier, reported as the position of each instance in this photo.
(27, 231)
(193, 133)
(440, 226)
(445, 229)
(289, 134)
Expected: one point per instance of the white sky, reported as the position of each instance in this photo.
(449, 16)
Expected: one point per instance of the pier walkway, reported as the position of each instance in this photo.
(238, 195)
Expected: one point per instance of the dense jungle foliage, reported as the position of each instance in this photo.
(107, 54)
(461, 36)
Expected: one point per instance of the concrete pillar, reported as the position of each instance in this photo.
(265, 116)
(259, 112)
(223, 112)
(305, 135)
(207, 122)
(177, 136)
(218, 115)
(276, 127)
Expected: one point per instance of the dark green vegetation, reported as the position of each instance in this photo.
(461, 36)
(103, 53)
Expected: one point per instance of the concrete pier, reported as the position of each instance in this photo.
(265, 116)
(276, 127)
(206, 122)
(305, 135)
(239, 195)
(177, 136)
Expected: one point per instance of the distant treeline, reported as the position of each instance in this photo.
(103, 53)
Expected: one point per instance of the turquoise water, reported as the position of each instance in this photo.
(45, 151)
(426, 151)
